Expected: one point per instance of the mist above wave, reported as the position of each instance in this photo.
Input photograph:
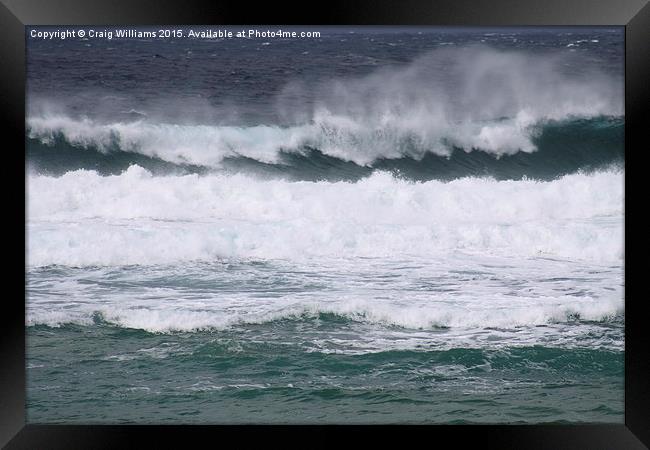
(474, 98)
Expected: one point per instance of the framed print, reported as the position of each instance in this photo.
(410, 216)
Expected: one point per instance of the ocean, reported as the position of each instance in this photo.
(377, 225)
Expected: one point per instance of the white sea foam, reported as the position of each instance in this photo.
(82, 218)
(339, 136)
(381, 253)
(505, 312)
(479, 309)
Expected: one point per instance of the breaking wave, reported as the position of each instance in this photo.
(83, 218)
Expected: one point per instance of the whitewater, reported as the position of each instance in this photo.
(143, 219)
(470, 254)
(413, 227)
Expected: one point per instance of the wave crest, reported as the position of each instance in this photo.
(474, 98)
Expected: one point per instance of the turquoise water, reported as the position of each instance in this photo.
(101, 373)
(361, 340)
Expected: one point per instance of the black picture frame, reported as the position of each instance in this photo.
(16, 14)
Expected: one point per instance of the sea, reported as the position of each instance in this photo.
(399, 225)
